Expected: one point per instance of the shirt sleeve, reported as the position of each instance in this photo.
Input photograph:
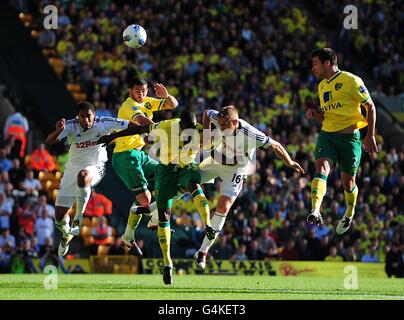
(112, 124)
(66, 131)
(130, 113)
(359, 91)
(258, 138)
(157, 104)
(213, 114)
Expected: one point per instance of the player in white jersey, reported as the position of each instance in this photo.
(85, 167)
(232, 160)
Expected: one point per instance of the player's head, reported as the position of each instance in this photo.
(324, 61)
(86, 114)
(137, 88)
(188, 120)
(228, 119)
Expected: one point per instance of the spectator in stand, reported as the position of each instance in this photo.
(371, 256)
(7, 239)
(5, 164)
(16, 174)
(44, 227)
(98, 205)
(350, 255)
(42, 160)
(222, 250)
(26, 218)
(16, 128)
(5, 211)
(333, 255)
(44, 207)
(241, 253)
(290, 252)
(253, 252)
(267, 245)
(101, 233)
(395, 262)
(31, 185)
(116, 248)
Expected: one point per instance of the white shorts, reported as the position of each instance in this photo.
(67, 192)
(232, 177)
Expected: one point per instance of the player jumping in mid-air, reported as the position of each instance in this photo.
(179, 143)
(341, 96)
(85, 167)
(134, 167)
(232, 161)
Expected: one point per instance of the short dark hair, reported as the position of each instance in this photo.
(85, 105)
(325, 54)
(136, 81)
(188, 119)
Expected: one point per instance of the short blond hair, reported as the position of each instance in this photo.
(229, 112)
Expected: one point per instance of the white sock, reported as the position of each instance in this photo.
(82, 197)
(154, 218)
(217, 223)
(63, 225)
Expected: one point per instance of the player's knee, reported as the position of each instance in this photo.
(224, 205)
(83, 178)
(348, 185)
(144, 198)
(323, 168)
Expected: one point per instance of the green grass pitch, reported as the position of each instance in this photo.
(195, 287)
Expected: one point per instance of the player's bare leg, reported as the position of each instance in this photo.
(139, 207)
(83, 192)
(318, 189)
(62, 222)
(217, 221)
(351, 194)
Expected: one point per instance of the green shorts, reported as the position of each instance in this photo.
(169, 178)
(135, 168)
(342, 148)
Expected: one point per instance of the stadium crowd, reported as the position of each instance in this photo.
(254, 55)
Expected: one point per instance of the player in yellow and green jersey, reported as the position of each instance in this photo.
(179, 142)
(341, 96)
(131, 164)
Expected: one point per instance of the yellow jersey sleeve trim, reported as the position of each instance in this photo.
(161, 104)
(366, 100)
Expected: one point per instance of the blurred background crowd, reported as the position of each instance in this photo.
(253, 54)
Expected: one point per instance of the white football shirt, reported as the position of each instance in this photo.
(84, 150)
(239, 149)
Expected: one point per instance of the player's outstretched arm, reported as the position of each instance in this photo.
(370, 140)
(161, 92)
(53, 136)
(281, 152)
(131, 130)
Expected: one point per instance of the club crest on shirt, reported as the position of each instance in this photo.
(338, 86)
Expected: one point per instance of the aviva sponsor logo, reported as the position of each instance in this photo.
(331, 106)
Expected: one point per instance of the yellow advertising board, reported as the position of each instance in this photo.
(267, 267)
